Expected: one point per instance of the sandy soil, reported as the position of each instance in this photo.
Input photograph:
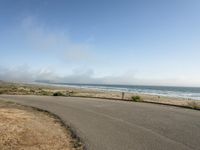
(24, 128)
(32, 89)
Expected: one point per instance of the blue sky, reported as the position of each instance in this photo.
(99, 41)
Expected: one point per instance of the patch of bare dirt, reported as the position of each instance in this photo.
(25, 128)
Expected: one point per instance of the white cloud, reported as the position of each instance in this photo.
(45, 40)
(25, 74)
(41, 38)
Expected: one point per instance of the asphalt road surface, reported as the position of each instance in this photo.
(117, 125)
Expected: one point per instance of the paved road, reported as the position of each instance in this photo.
(117, 125)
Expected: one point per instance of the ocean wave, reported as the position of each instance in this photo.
(177, 92)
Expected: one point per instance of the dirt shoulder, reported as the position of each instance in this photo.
(26, 128)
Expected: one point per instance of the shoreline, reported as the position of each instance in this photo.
(131, 89)
(50, 90)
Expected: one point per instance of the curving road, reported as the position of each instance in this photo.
(118, 125)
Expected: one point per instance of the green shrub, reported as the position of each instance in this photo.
(58, 94)
(136, 98)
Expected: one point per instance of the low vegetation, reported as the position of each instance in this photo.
(58, 94)
(22, 89)
(31, 89)
(136, 98)
(193, 105)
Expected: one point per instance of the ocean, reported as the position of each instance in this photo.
(170, 91)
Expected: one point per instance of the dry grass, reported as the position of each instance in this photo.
(25, 128)
(30, 89)
(194, 105)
